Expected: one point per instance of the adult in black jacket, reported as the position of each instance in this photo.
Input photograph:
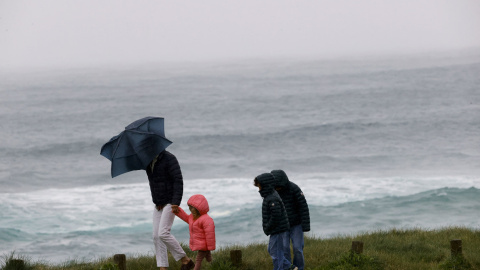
(298, 216)
(166, 186)
(274, 220)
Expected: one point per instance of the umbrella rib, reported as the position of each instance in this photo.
(118, 143)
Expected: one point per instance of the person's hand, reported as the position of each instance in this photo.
(175, 209)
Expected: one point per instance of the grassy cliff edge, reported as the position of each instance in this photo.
(393, 249)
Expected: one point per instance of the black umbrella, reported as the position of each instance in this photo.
(136, 146)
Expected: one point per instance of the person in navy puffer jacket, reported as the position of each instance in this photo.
(274, 221)
(166, 186)
(298, 216)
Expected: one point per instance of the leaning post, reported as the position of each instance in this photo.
(121, 261)
(456, 247)
(357, 247)
(236, 257)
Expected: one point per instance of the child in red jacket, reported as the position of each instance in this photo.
(201, 226)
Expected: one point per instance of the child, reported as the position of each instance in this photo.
(274, 221)
(202, 228)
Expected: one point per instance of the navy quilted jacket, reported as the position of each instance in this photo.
(165, 178)
(274, 216)
(293, 199)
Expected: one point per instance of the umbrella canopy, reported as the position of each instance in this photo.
(136, 146)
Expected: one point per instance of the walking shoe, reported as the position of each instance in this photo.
(190, 265)
(293, 267)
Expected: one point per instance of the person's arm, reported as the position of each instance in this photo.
(175, 173)
(209, 229)
(276, 214)
(182, 215)
(302, 208)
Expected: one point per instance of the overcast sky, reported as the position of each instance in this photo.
(91, 32)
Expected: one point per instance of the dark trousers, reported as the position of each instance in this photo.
(200, 256)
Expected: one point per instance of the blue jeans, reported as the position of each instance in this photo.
(276, 251)
(296, 236)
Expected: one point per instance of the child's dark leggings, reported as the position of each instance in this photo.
(200, 255)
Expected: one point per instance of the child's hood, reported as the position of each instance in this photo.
(267, 183)
(200, 203)
(281, 179)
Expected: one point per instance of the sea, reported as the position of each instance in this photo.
(374, 142)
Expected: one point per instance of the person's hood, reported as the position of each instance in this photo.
(267, 183)
(158, 157)
(200, 203)
(281, 179)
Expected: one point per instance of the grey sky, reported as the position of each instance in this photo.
(90, 32)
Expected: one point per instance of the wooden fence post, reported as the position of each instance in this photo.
(456, 247)
(121, 261)
(357, 247)
(236, 257)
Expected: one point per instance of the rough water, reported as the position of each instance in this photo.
(375, 143)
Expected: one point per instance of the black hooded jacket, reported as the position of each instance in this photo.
(166, 180)
(294, 201)
(274, 216)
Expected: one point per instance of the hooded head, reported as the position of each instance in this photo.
(200, 203)
(281, 179)
(267, 183)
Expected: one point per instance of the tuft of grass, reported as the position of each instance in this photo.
(457, 263)
(412, 249)
(352, 261)
(12, 262)
(221, 265)
(109, 266)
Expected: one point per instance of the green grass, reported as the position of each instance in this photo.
(395, 249)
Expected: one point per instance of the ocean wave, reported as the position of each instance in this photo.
(62, 148)
(324, 129)
(429, 210)
(13, 235)
(392, 137)
(435, 197)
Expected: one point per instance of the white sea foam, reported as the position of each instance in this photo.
(100, 207)
(337, 190)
